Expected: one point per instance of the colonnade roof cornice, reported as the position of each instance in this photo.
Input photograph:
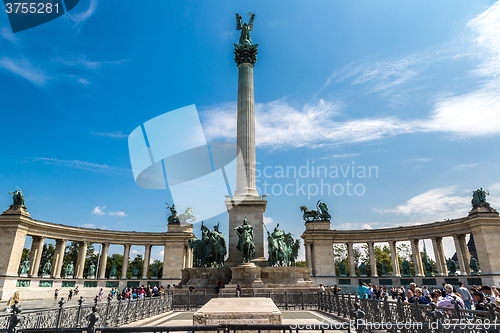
(56, 231)
(446, 228)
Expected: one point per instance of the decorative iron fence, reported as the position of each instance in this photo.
(109, 314)
(396, 316)
(355, 313)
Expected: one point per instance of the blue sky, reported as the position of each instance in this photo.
(409, 88)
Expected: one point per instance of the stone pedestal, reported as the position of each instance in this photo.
(247, 276)
(253, 208)
(238, 311)
(287, 277)
(202, 277)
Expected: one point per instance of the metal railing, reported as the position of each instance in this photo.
(359, 313)
(394, 315)
(109, 313)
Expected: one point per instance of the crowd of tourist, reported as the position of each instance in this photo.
(475, 298)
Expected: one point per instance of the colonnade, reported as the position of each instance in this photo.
(462, 251)
(16, 224)
(484, 226)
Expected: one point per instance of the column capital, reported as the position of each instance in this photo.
(370, 242)
(245, 54)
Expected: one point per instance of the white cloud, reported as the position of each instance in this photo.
(366, 226)
(134, 252)
(7, 34)
(466, 166)
(113, 135)
(89, 225)
(341, 156)
(83, 16)
(24, 69)
(268, 220)
(436, 204)
(98, 210)
(91, 166)
(122, 214)
(280, 125)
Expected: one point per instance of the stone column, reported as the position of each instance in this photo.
(437, 245)
(147, 256)
(186, 255)
(462, 254)
(80, 261)
(373, 261)
(394, 258)
(417, 258)
(245, 137)
(58, 259)
(126, 254)
(35, 255)
(350, 257)
(308, 255)
(103, 260)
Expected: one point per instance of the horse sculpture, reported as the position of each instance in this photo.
(320, 213)
(309, 215)
(187, 215)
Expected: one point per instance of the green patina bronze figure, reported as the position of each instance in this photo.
(321, 212)
(46, 268)
(405, 268)
(245, 52)
(384, 269)
(245, 29)
(428, 267)
(154, 272)
(135, 271)
(283, 249)
(70, 270)
(91, 271)
(18, 198)
(452, 267)
(210, 250)
(112, 273)
(479, 197)
(342, 269)
(362, 269)
(246, 243)
(474, 266)
(24, 267)
(173, 218)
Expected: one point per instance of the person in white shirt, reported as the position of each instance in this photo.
(447, 301)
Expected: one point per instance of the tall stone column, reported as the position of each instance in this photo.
(103, 261)
(126, 254)
(308, 255)
(394, 258)
(417, 258)
(246, 200)
(373, 261)
(437, 245)
(80, 261)
(462, 254)
(147, 256)
(58, 259)
(35, 255)
(350, 257)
